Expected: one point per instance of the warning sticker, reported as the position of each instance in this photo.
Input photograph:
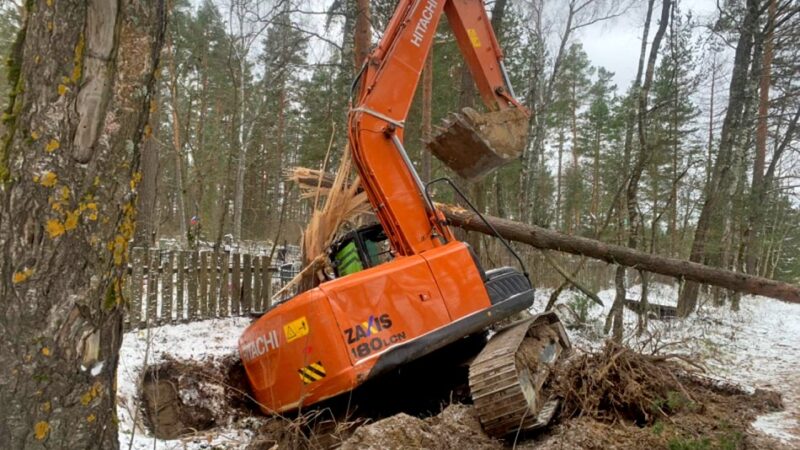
(296, 329)
(473, 37)
(312, 372)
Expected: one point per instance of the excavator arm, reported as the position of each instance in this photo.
(386, 87)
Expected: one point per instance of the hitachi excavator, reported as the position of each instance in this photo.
(407, 287)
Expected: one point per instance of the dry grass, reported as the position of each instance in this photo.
(343, 205)
(620, 398)
(618, 383)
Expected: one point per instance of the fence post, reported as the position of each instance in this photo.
(256, 284)
(152, 286)
(266, 283)
(247, 278)
(138, 258)
(213, 292)
(236, 283)
(224, 285)
(180, 276)
(166, 288)
(203, 295)
(192, 313)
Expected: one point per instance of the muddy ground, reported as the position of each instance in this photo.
(613, 398)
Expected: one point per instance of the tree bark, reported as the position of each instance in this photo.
(67, 214)
(147, 217)
(427, 109)
(363, 35)
(177, 147)
(722, 172)
(756, 208)
(642, 157)
(624, 256)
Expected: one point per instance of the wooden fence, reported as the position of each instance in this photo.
(170, 286)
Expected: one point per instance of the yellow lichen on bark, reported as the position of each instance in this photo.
(54, 228)
(72, 220)
(46, 407)
(91, 207)
(90, 395)
(135, 179)
(40, 430)
(46, 351)
(119, 246)
(62, 89)
(52, 146)
(91, 418)
(77, 67)
(21, 276)
(48, 179)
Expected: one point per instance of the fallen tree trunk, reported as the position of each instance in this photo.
(616, 254)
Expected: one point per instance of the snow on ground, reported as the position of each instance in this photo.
(757, 346)
(194, 341)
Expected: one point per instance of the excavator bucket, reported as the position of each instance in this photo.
(474, 144)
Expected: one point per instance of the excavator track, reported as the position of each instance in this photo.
(507, 376)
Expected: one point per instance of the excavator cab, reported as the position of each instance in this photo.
(359, 249)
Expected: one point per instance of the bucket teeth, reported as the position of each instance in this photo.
(473, 144)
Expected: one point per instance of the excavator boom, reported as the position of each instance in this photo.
(386, 89)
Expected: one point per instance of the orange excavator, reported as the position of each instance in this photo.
(407, 287)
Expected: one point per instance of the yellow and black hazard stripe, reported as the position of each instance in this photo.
(312, 372)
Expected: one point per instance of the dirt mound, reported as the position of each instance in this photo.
(456, 427)
(182, 397)
(613, 398)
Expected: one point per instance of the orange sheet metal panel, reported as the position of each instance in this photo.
(384, 306)
(458, 278)
(295, 353)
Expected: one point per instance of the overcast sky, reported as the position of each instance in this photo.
(615, 44)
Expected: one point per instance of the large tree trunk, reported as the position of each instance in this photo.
(241, 159)
(642, 156)
(722, 172)
(755, 221)
(427, 109)
(614, 254)
(624, 256)
(363, 33)
(147, 213)
(177, 147)
(71, 165)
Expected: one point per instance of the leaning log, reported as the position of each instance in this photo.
(616, 254)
